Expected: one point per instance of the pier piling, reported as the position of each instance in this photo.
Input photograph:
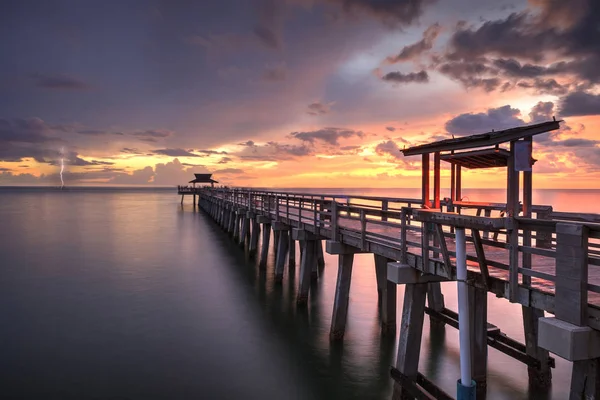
(266, 237)
(342, 296)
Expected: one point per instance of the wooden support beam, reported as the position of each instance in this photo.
(571, 292)
(436, 179)
(386, 294)
(266, 237)
(236, 227)
(479, 339)
(411, 332)
(276, 235)
(342, 296)
(306, 266)
(441, 239)
(292, 252)
(245, 230)
(485, 274)
(435, 298)
(425, 192)
(540, 375)
(320, 255)
(452, 183)
(458, 186)
(282, 249)
(314, 273)
(585, 380)
(384, 208)
(254, 236)
(335, 248)
(513, 265)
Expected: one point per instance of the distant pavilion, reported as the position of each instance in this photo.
(203, 178)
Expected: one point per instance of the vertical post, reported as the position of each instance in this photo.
(543, 239)
(334, 220)
(436, 179)
(342, 296)
(384, 208)
(512, 208)
(452, 182)
(266, 237)
(320, 255)
(292, 252)
(479, 347)
(425, 181)
(254, 237)
(386, 291)
(236, 226)
(282, 249)
(458, 184)
(465, 386)
(411, 332)
(571, 293)
(307, 262)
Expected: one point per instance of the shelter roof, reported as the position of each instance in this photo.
(203, 178)
(483, 139)
(486, 158)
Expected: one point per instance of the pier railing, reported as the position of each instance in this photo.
(523, 252)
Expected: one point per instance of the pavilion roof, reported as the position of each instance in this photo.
(483, 139)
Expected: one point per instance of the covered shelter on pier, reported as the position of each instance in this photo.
(482, 151)
(203, 178)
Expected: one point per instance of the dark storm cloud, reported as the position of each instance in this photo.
(416, 49)
(390, 128)
(580, 103)
(174, 153)
(392, 12)
(493, 119)
(318, 108)
(81, 162)
(574, 142)
(273, 151)
(25, 130)
(210, 152)
(545, 86)
(152, 134)
(58, 82)
(129, 150)
(514, 68)
(399, 77)
(327, 135)
(551, 48)
(542, 111)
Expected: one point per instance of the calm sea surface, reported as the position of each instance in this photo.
(125, 294)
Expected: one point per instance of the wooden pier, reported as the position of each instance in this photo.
(545, 260)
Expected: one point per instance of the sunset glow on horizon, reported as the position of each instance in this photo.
(293, 93)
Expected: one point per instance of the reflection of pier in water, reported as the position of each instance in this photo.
(530, 255)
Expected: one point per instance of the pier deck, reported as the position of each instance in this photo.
(375, 225)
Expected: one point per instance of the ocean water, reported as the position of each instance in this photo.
(126, 294)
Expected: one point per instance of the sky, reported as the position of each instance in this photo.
(291, 93)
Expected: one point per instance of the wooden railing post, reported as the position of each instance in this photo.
(543, 239)
(363, 230)
(334, 220)
(384, 208)
(404, 248)
(571, 295)
(513, 264)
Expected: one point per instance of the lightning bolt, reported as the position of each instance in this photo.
(62, 168)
